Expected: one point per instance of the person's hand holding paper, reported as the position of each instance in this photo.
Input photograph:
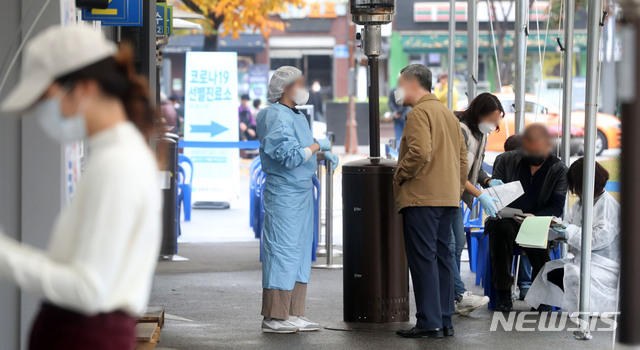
(505, 194)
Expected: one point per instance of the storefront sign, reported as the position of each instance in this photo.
(439, 11)
(126, 13)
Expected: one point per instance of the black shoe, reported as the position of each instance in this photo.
(543, 308)
(447, 331)
(416, 332)
(504, 303)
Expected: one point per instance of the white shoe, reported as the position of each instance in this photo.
(278, 326)
(303, 324)
(470, 303)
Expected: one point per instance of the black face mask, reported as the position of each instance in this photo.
(534, 160)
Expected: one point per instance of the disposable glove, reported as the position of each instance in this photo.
(495, 182)
(325, 145)
(488, 204)
(332, 158)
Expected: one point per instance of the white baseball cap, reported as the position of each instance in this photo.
(52, 54)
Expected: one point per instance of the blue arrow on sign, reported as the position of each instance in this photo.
(213, 129)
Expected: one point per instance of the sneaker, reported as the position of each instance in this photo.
(469, 303)
(303, 324)
(278, 326)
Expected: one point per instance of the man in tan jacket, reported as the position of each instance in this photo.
(429, 180)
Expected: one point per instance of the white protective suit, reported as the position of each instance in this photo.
(605, 259)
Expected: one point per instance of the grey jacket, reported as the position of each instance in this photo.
(476, 145)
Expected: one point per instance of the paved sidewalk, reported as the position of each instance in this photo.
(213, 302)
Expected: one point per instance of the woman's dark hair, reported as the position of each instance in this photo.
(117, 77)
(574, 178)
(483, 104)
(257, 102)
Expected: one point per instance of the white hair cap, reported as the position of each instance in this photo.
(282, 77)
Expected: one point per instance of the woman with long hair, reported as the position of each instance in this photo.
(96, 275)
(480, 119)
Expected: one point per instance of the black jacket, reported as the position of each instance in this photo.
(507, 169)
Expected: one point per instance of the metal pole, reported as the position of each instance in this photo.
(373, 49)
(567, 81)
(329, 218)
(521, 61)
(329, 212)
(591, 110)
(628, 92)
(452, 53)
(472, 49)
(374, 106)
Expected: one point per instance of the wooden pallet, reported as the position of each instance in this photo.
(148, 328)
(153, 314)
(148, 335)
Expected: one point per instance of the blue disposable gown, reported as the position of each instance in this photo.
(288, 197)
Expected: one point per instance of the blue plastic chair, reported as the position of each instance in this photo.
(255, 165)
(184, 196)
(477, 243)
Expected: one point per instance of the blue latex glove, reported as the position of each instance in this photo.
(560, 229)
(333, 159)
(325, 145)
(488, 204)
(495, 182)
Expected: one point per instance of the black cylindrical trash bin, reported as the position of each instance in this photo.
(168, 143)
(376, 276)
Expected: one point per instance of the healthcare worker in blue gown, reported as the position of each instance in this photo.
(289, 157)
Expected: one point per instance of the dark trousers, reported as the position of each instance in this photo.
(502, 240)
(58, 328)
(427, 235)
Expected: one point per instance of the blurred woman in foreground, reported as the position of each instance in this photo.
(95, 278)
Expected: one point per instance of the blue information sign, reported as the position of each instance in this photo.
(161, 19)
(126, 13)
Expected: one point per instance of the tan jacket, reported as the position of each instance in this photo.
(432, 162)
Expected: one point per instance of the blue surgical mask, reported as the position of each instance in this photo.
(55, 125)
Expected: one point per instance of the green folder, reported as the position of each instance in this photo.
(534, 232)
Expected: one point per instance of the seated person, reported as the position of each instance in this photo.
(558, 283)
(544, 180)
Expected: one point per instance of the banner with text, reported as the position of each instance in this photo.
(211, 114)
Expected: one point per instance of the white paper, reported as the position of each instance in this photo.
(506, 193)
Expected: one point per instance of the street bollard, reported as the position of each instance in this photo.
(169, 174)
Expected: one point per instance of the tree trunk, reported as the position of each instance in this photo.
(210, 42)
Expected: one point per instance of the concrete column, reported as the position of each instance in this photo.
(31, 174)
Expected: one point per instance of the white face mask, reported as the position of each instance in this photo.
(399, 96)
(56, 126)
(301, 96)
(486, 127)
(315, 87)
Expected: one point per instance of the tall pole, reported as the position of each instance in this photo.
(628, 335)
(567, 81)
(373, 49)
(591, 110)
(452, 53)
(521, 61)
(472, 49)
